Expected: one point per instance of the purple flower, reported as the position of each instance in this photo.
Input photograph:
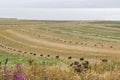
(45, 78)
(18, 65)
(22, 76)
(17, 76)
(7, 73)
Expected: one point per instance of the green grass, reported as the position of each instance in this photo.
(81, 31)
(87, 32)
(115, 26)
(15, 58)
(106, 22)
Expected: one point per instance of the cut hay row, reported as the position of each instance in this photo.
(38, 51)
(33, 54)
(83, 43)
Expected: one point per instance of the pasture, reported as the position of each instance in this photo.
(56, 44)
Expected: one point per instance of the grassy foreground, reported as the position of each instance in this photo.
(19, 67)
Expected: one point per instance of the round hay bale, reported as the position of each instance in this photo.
(85, 43)
(14, 49)
(104, 60)
(34, 54)
(101, 45)
(48, 55)
(65, 41)
(81, 59)
(76, 42)
(81, 43)
(25, 52)
(57, 57)
(61, 40)
(10, 48)
(111, 46)
(71, 64)
(70, 41)
(41, 55)
(95, 45)
(31, 53)
(19, 51)
(69, 57)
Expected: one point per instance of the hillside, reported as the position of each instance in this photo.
(64, 38)
(59, 50)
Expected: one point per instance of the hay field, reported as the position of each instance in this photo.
(67, 40)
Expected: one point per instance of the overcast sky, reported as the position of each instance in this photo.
(60, 3)
(61, 9)
(61, 13)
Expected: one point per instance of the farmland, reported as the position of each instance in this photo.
(56, 44)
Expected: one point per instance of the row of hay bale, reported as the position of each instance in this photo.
(77, 42)
(25, 52)
(30, 53)
(12, 49)
(41, 55)
(68, 41)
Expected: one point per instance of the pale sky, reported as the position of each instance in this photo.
(61, 13)
(60, 3)
(61, 9)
